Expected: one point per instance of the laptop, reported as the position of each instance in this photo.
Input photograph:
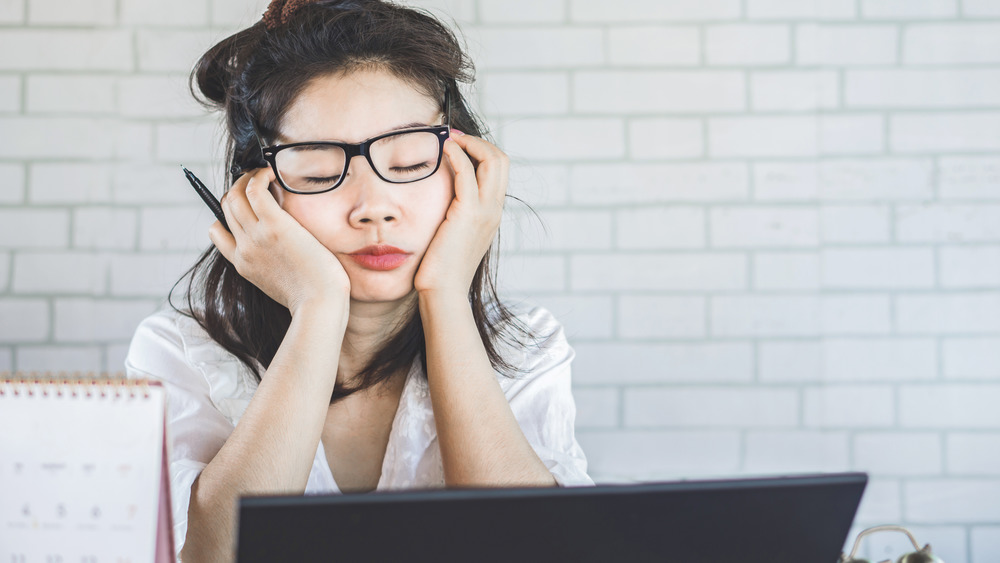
(793, 519)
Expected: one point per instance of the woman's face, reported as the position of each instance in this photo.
(365, 212)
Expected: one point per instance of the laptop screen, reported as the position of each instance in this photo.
(774, 519)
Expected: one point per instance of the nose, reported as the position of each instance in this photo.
(373, 203)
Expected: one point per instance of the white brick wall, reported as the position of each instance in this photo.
(772, 226)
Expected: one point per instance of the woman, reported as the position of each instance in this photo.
(345, 335)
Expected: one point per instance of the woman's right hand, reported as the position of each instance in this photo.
(272, 250)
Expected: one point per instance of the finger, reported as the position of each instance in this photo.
(223, 240)
(491, 165)
(466, 183)
(259, 195)
(236, 207)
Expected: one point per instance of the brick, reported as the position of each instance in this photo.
(5, 259)
(585, 317)
(539, 184)
(948, 223)
(878, 268)
(33, 228)
(462, 11)
(10, 94)
(187, 142)
(97, 320)
(6, 359)
(972, 358)
(182, 12)
(71, 94)
(747, 44)
(653, 10)
(880, 503)
(973, 454)
(658, 183)
(980, 8)
(799, 90)
(849, 360)
(972, 313)
(886, 88)
(520, 272)
(641, 316)
(155, 184)
(521, 11)
(540, 47)
(169, 50)
(32, 320)
(576, 230)
(845, 45)
(525, 93)
(758, 227)
(623, 364)
(764, 316)
(55, 12)
(52, 137)
(104, 228)
(115, 357)
(711, 408)
(801, 9)
(663, 138)
(794, 135)
(174, 228)
(795, 451)
(59, 358)
(596, 407)
(63, 49)
(157, 96)
(945, 132)
(59, 273)
(960, 501)
(984, 540)
(953, 43)
(969, 177)
(657, 455)
(649, 45)
(856, 314)
(789, 181)
(133, 141)
(889, 179)
(237, 14)
(848, 406)
(149, 275)
(902, 9)
(952, 406)
(12, 188)
(970, 267)
(896, 453)
(565, 138)
(658, 272)
(677, 91)
(75, 182)
(661, 227)
(854, 224)
(786, 270)
(12, 11)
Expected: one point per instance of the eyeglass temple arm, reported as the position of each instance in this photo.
(857, 542)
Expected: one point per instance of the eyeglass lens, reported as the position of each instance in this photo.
(404, 157)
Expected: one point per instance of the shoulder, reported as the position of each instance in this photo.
(534, 342)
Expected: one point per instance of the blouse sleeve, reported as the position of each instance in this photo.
(196, 430)
(542, 402)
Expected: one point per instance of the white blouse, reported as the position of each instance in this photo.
(208, 389)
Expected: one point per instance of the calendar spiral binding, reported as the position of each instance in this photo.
(88, 384)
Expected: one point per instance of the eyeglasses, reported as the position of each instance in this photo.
(398, 157)
(919, 554)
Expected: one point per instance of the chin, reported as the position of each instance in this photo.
(380, 292)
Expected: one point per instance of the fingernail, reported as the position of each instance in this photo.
(457, 133)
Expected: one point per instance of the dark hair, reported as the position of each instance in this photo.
(253, 76)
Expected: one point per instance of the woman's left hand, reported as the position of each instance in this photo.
(471, 223)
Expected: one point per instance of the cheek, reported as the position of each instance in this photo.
(314, 212)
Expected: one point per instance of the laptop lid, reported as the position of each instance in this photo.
(775, 519)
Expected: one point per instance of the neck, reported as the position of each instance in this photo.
(369, 325)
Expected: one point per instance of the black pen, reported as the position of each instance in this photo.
(206, 196)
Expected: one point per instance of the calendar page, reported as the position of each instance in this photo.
(81, 470)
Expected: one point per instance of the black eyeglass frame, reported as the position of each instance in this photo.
(351, 150)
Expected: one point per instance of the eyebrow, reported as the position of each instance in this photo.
(281, 140)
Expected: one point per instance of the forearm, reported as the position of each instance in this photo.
(481, 441)
(272, 448)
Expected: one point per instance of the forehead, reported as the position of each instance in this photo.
(355, 106)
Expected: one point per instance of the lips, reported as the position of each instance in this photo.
(380, 257)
